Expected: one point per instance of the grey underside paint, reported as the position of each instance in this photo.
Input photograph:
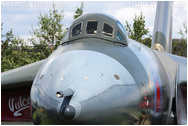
(123, 54)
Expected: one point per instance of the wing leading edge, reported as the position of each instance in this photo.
(20, 77)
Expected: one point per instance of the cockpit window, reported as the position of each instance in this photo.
(107, 30)
(76, 29)
(119, 36)
(91, 27)
(121, 27)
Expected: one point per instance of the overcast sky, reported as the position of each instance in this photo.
(22, 15)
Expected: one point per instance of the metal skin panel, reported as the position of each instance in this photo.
(112, 84)
(94, 74)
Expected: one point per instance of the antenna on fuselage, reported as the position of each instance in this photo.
(162, 32)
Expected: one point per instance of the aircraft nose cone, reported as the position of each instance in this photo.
(90, 78)
(88, 72)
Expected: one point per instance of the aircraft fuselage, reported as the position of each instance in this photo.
(111, 83)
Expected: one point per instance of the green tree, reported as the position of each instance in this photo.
(49, 33)
(181, 46)
(184, 34)
(79, 11)
(5, 51)
(13, 52)
(6, 39)
(147, 41)
(138, 30)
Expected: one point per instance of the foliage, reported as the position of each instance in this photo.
(79, 11)
(5, 39)
(181, 46)
(14, 50)
(138, 30)
(49, 33)
(184, 35)
(147, 41)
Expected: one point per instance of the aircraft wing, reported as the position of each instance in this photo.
(17, 77)
(15, 93)
(178, 75)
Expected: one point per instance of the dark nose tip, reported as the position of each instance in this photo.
(68, 112)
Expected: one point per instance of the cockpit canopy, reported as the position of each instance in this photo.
(96, 26)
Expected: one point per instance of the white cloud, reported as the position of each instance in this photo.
(179, 17)
(68, 18)
(128, 12)
(148, 9)
(22, 15)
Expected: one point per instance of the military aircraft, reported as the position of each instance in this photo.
(99, 76)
